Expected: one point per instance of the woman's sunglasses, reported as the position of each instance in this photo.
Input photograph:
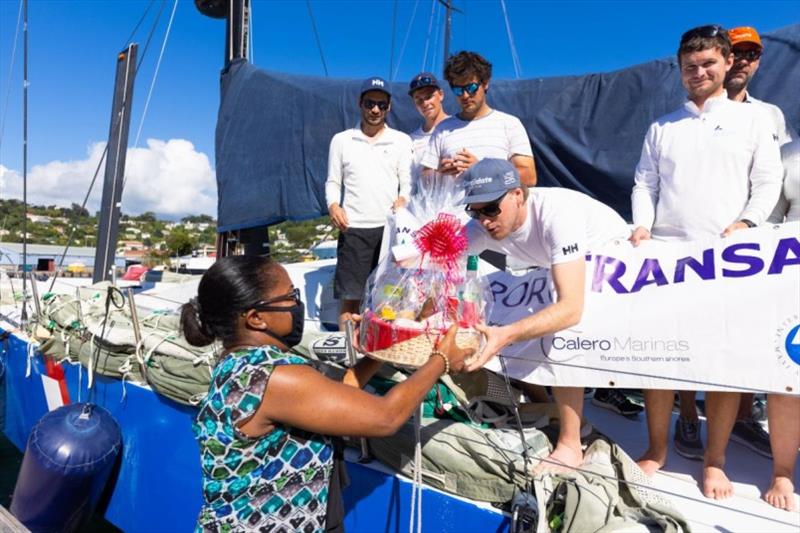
(489, 210)
(264, 305)
(470, 88)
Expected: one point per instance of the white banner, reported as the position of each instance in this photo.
(722, 314)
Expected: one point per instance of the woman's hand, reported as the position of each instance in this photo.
(454, 354)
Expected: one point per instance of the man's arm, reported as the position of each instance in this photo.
(646, 188)
(333, 185)
(766, 176)
(404, 164)
(527, 169)
(569, 281)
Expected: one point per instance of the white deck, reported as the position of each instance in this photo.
(680, 481)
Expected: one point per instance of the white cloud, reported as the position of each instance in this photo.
(169, 178)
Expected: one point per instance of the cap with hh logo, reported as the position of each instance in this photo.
(375, 83)
(489, 179)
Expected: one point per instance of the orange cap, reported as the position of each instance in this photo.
(744, 34)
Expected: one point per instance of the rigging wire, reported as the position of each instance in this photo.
(150, 36)
(10, 73)
(436, 33)
(405, 40)
(316, 37)
(153, 82)
(136, 27)
(250, 50)
(428, 36)
(514, 56)
(394, 33)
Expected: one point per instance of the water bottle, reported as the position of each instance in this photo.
(470, 296)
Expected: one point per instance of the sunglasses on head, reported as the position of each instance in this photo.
(490, 210)
(709, 31)
(750, 55)
(368, 104)
(425, 81)
(470, 88)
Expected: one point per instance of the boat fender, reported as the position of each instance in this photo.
(70, 454)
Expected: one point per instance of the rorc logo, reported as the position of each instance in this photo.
(792, 344)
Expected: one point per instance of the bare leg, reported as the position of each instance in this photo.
(783, 412)
(346, 308)
(721, 408)
(688, 405)
(745, 406)
(568, 449)
(658, 406)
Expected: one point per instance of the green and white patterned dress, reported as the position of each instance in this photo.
(275, 483)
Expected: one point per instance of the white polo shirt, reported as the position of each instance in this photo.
(788, 207)
(782, 131)
(562, 225)
(701, 171)
(419, 139)
(366, 177)
(497, 135)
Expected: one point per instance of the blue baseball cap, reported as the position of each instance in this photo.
(489, 179)
(423, 79)
(375, 83)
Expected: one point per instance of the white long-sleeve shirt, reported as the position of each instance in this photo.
(701, 171)
(365, 176)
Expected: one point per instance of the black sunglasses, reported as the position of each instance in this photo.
(708, 31)
(369, 104)
(470, 88)
(489, 210)
(750, 55)
(416, 83)
(264, 305)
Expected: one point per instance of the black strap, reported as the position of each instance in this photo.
(334, 518)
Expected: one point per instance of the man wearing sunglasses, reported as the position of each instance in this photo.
(427, 94)
(477, 131)
(547, 227)
(710, 168)
(369, 174)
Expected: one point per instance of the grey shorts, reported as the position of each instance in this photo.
(357, 255)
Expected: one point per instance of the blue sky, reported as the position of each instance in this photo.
(73, 45)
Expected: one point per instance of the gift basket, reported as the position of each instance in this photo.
(425, 284)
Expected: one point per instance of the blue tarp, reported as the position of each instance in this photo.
(587, 131)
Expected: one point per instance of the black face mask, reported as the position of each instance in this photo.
(293, 338)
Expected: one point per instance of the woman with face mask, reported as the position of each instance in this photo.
(265, 427)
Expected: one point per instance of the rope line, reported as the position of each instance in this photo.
(405, 40)
(428, 36)
(10, 73)
(316, 37)
(136, 27)
(153, 82)
(514, 56)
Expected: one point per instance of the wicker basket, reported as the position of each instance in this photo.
(406, 346)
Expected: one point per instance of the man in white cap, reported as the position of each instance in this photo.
(369, 173)
(548, 227)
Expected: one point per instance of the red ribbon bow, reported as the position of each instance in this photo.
(444, 240)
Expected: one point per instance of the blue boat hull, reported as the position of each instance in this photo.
(158, 485)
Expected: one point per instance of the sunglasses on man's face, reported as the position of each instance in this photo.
(488, 211)
(368, 104)
(750, 55)
(709, 31)
(470, 89)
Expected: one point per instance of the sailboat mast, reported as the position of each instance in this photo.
(110, 209)
(448, 22)
(24, 313)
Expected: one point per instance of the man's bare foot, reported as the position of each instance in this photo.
(651, 462)
(781, 493)
(563, 459)
(716, 484)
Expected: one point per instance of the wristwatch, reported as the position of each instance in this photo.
(748, 223)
